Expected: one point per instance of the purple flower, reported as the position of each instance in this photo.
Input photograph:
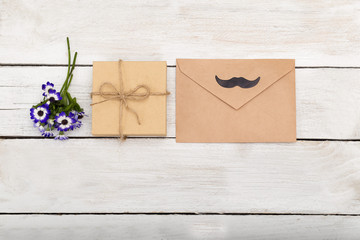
(47, 87)
(53, 96)
(64, 122)
(77, 116)
(40, 114)
(61, 137)
(47, 133)
(51, 122)
(81, 115)
(77, 124)
(40, 126)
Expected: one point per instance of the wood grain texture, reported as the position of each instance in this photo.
(327, 100)
(159, 175)
(315, 33)
(177, 227)
(154, 175)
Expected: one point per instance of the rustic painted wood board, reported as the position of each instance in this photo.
(84, 227)
(159, 175)
(327, 100)
(170, 182)
(315, 33)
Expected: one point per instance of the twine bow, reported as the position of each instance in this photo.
(124, 97)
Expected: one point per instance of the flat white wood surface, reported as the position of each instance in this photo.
(158, 189)
(315, 33)
(180, 227)
(159, 175)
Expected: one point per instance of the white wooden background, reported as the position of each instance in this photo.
(153, 188)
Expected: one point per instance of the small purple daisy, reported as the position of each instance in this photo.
(77, 116)
(61, 137)
(77, 124)
(81, 115)
(51, 122)
(64, 122)
(39, 126)
(48, 133)
(40, 114)
(46, 88)
(53, 96)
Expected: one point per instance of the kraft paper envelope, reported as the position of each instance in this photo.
(249, 100)
(151, 111)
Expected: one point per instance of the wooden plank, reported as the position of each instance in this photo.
(327, 100)
(159, 175)
(84, 227)
(314, 32)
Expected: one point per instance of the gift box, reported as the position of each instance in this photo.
(129, 98)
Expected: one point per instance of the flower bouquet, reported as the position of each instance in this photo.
(58, 110)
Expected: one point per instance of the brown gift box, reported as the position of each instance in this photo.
(115, 117)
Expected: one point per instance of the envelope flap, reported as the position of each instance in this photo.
(235, 81)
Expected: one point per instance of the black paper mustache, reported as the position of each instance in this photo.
(237, 81)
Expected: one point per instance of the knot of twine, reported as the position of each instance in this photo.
(124, 97)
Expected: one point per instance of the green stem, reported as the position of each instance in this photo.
(68, 81)
(66, 98)
(73, 64)
(69, 55)
(39, 104)
(67, 87)
(69, 64)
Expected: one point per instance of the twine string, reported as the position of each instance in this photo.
(139, 93)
